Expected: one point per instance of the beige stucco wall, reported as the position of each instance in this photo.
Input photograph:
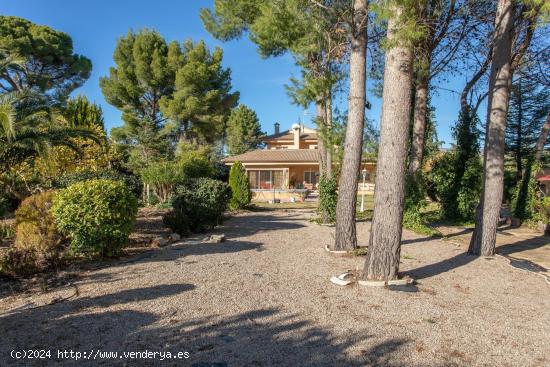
(288, 144)
(296, 173)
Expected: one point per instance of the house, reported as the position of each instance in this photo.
(288, 168)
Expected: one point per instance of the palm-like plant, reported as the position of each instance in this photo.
(30, 125)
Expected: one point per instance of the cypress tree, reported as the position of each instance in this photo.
(240, 188)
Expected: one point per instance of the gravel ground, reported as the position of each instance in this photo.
(263, 298)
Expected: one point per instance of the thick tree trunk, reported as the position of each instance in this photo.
(419, 125)
(320, 114)
(543, 137)
(346, 238)
(483, 239)
(328, 119)
(382, 262)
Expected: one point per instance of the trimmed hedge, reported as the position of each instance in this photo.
(198, 206)
(131, 181)
(97, 215)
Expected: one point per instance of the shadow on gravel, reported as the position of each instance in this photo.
(255, 338)
(265, 337)
(81, 323)
(251, 224)
(432, 238)
(440, 267)
(528, 244)
(179, 251)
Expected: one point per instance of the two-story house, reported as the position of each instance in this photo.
(288, 166)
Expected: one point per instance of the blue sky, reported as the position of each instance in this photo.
(95, 27)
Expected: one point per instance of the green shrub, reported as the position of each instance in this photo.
(415, 204)
(97, 215)
(328, 197)
(165, 175)
(38, 244)
(526, 204)
(162, 176)
(240, 188)
(131, 181)
(198, 206)
(457, 185)
(194, 164)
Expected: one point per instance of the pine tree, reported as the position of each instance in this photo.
(36, 58)
(167, 93)
(240, 188)
(383, 254)
(202, 98)
(243, 130)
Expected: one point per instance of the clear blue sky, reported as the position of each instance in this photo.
(95, 26)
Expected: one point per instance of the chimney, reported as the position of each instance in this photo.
(277, 126)
(296, 130)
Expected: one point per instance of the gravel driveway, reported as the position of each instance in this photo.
(263, 298)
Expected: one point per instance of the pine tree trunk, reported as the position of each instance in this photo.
(346, 238)
(328, 119)
(484, 237)
(382, 262)
(419, 125)
(543, 137)
(320, 114)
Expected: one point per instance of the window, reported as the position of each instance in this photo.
(253, 179)
(310, 177)
(265, 179)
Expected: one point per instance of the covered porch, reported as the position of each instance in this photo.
(295, 183)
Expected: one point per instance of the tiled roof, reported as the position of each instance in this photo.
(276, 155)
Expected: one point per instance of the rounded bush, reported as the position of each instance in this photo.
(198, 206)
(97, 215)
(131, 181)
(38, 242)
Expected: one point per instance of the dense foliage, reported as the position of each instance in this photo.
(163, 176)
(243, 130)
(240, 187)
(198, 206)
(167, 93)
(97, 215)
(80, 112)
(39, 59)
(39, 244)
(456, 175)
(328, 197)
(131, 181)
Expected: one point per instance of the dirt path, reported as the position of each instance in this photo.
(263, 299)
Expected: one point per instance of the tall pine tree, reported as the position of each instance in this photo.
(243, 130)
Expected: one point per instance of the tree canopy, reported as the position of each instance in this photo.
(243, 130)
(38, 58)
(167, 93)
